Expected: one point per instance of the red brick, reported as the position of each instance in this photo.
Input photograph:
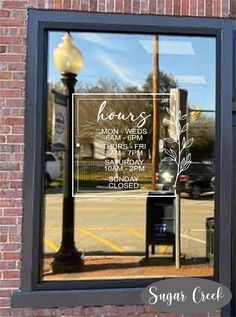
(15, 139)
(102, 5)
(14, 229)
(9, 93)
(15, 121)
(169, 7)
(193, 7)
(3, 49)
(18, 157)
(9, 193)
(11, 256)
(136, 6)
(10, 40)
(15, 13)
(7, 220)
(3, 84)
(9, 284)
(12, 22)
(5, 75)
(93, 5)
(201, 7)
(209, 8)
(5, 293)
(177, 7)
(14, 212)
(16, 66)
(16, 102)
(10, 247)
(144, 6)
(119, 6)
(127, 6)
(3, 31)
(15, 238)
(57, 4)
(2, 139)
(17, 84)
(75, 4)
(10, 175)
(185, 7)
(5, 129)
(153, 7)
(3, 238)
(4, 302)
(225, 8)
(4, 14)
(4, 157)
(67, 5)
(18, 129)
(126, 310)
(161, 6)
(216, 8)
(110, 5)
(5, 312)
(16, 49)
(14, 4)
(19, 75)
(11, 274)
(9, 58)
(84, 5)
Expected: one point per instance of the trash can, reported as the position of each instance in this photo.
(210, 240)
(160, 220)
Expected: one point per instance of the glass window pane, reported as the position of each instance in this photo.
(141, 133)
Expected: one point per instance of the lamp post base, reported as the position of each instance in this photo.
(67, 260)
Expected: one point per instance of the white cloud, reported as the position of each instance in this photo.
(191, 79)
(170, 47)
(125, 74)
(98, 39)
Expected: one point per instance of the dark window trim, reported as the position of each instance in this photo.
(127, 291)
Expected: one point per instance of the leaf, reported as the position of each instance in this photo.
(169, 140)
(189, 143)
(172, 135)
(179, 116)
(184, 142)
(171, 111)
(186, 166)
(174, 155)
(171, 153)
(167, 159)
(188, 157)
(179, 128)
(168, 122)
(184, 117)
(185, 127)
(182, 163)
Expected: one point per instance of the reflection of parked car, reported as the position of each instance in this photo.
(53, 168)
(194, 181)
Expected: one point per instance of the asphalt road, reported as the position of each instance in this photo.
(117, 224)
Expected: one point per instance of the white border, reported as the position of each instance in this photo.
(98, 194)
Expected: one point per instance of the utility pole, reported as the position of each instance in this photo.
(155, 132)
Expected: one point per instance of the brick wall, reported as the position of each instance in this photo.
(13, 21)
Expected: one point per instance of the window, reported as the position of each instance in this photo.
(110, 231)
(112, 166)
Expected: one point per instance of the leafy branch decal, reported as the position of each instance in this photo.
(175, 138)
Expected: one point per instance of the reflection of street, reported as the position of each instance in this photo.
(117, 225)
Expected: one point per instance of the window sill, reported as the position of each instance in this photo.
(50, 299)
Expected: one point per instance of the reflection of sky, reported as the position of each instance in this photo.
(127, 59)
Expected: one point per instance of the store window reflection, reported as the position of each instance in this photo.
(110, 230)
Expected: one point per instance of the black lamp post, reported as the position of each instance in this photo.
(68, 60)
